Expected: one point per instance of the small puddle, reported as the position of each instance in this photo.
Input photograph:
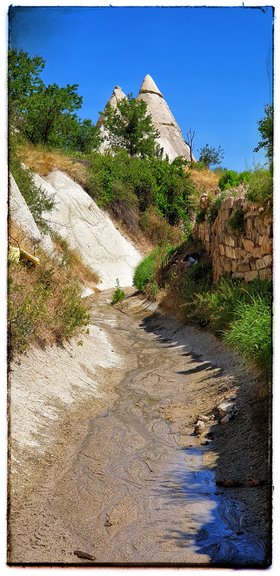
(221, 534)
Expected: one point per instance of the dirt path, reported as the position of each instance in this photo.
(133, 485)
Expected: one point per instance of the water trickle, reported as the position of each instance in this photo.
(221, 535)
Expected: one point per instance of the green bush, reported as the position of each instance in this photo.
(229, 179)
(260, 186)
(139, 182)
(245, 176)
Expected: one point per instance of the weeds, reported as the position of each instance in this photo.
(260, 186)
(236, 221)
(215, 206)
(118, 294)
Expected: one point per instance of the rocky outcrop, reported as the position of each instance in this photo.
(20, 213)
(239, 240)
(89, 230)
(113, 101)
(170, 140)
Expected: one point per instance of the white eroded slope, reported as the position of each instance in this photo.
(89, 230)
(21, 215)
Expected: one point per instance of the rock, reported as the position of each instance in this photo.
(203, 418)
(199, 427)
(250, 276)
(21, 215)
(84, 555)
(170, 138)
(226, 418)
(225, 408)
(86, 292)
(90, 231)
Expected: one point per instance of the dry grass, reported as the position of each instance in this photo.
(45, 306)
(43, 161)
(205, 181)
(73, 259)
(18, 238)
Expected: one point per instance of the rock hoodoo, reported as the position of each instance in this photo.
(170, 140)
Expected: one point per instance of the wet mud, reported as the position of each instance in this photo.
(140, 488)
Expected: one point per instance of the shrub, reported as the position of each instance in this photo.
(229, 179)
(236, 221)
(140, 182)
(260, 186)
(36, 198)
(245, 176)
(118, 295)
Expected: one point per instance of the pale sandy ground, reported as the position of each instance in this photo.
(103, 454)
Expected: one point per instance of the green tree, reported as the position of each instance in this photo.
(266, 130)
(211, 156)
(46, 107)
(72, 133)
(23, 81)
(130, 127)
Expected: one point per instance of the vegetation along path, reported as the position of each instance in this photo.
(133, 483)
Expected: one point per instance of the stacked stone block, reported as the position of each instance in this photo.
(245, 253)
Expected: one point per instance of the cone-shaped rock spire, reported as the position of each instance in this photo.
(170, 140)
(149, 86)
(117, 96)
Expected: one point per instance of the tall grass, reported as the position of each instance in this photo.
(145, 272)
(250, 332)
(237, 312)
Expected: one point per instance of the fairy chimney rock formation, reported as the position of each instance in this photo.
(170, 139)
(116, 97)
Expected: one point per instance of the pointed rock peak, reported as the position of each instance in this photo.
(118, 94)
(149, 86)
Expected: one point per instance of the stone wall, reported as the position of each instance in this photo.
(244, 252)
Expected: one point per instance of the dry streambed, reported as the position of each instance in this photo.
(145, 471)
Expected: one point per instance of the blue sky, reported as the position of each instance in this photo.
(213, 65)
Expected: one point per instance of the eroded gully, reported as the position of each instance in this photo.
(140, 488)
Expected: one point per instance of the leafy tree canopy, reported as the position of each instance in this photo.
(23, 76)
(45, 114)
(45, 107)
(130, 127)
(211, 156)
(266, 130)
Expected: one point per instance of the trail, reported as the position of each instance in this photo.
(131, 484)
